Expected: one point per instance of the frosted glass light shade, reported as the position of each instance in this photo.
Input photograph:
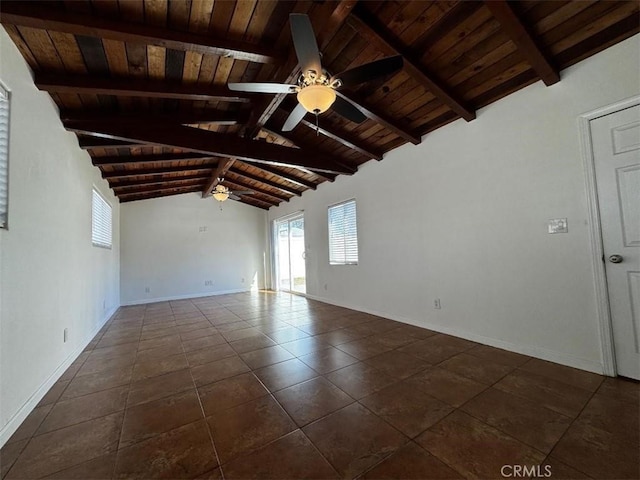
(221, 193)
(316, 98)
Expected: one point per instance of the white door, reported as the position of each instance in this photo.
(616, 149)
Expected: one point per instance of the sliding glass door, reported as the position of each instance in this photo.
(289, 253)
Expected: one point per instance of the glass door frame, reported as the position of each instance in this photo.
(288, 219)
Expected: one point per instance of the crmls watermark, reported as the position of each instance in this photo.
(526, 471)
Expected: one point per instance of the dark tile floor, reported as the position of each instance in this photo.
(276, 386)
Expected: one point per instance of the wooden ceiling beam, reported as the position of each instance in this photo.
(87, 143)
(377, 116)
(289, 70)
(153, 172)
(271, 130)
(253, 202)
(287, 176)
(124, 182)
(163, 193)
(374, 33)
(212, 143)
(224, 164)
(219, 117)
(130, 87)
(130, 189)
(256, 178)
(27, 14)
(145, 159)
(341, 138)
(524, 40)
(235, 184)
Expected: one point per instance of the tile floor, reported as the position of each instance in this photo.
(277, 386)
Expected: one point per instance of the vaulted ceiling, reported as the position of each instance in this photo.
(144, 82)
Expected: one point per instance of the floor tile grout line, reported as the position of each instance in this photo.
(546, 455)
(204, 416)
(575, 419)
(126, 403)
(53, 404)
(516, 368)
(453, 467)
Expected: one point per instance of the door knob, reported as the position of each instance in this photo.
(615, 258)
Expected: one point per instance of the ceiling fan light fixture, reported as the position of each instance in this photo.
(316, 98)
(221, 193)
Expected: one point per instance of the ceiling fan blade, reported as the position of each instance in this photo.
(304, 41)
(348, 111)
(242, 192)
(262, 87)
(369, 71)
(294, 118)
(234, 197)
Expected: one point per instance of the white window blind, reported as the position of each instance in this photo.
(100, 221)
(4, 156)
(343, 234)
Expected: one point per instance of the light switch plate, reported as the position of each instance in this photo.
(558, 225)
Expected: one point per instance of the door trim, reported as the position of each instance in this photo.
(595, 231)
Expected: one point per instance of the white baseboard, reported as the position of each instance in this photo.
(184, 297)
(17, 419)
(530, 350)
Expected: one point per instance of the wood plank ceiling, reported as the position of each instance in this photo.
(143, 82)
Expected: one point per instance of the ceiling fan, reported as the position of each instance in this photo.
(221, 193)
(316, 87)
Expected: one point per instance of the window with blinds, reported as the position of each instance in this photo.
(100, 221)
(343, 234)
(4, 157)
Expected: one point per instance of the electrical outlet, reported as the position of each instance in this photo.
(202, 229)
(242, 279)
(325, 286)
(208, 283)
(436, 304)
(147, 290)
(65, 335)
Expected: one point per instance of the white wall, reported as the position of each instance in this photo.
(52, 278)
(164, 249)
(462, 217)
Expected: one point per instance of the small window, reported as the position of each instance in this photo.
(4, 157)
(343, 234)
(100, 221)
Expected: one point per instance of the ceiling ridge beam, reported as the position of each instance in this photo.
(288, 177)
(220, 117)
(149, 195)
(87, 143)
(377, 116)
(115, 183)
(341, 138)
(370, 30)
(118, 190)
(238, 183)
(158, 190)
(224, 164)
(212, 143)
(524, 40)
(256, 178)
(133, 87)
(142, 159)
(271, 130)
(153, 171)
(29, 15)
